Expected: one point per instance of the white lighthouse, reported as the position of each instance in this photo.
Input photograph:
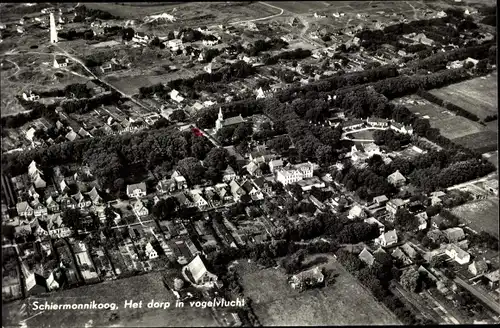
(53, 30)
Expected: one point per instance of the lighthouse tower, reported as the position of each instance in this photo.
(53, 31)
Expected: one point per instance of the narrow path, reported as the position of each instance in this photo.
(17, 68)
(66, 54)
(263, 18)
(415, 17)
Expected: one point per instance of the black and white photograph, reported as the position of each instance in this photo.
(249, 163)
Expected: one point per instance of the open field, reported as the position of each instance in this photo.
(144, 287)
(477, 96)
(481, 215)
(366, 134)
(131, 84)
(450, 125)
(190, 13)
(484, 141)
(345, 303)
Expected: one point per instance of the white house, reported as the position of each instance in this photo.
(175, 44)
(141, 37)
(292, 174)
(58, 63)
(356, 212)
(200, 274)
(422, 220)
(151, 253)
(387, 239)
(175, 96)
(228, 174)
(457, 254)
(366, 257)
(30, 96)
(24, 209)
(275, 165)
(396, 179)
(136, 190)
(139, 209)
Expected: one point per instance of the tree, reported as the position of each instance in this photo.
(178, 115)
(191, 169)
(72, 218)
(409, 279)
(164, 208)
(128, 33)
(405, 221)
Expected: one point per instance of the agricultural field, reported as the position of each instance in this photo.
(478, 96)
(480, 215)
(482, 142)
(345, 303)
(144, 287)
(450, 125)
(492, 157)
(130, 84)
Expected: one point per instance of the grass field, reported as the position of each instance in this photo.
(477, 96)
(131, 84)
(145, 288)
(345, 303)
(480, 215)
(450, 125)
(484, 141)
(366, 134)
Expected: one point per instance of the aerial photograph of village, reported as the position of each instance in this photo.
(249, 163)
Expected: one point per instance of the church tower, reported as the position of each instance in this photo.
(219, 124)
(53, 30)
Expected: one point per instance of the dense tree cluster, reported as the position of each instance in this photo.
(392, 140)
(93, 14)
(85, 105)
(71, 34)
(297, 54)
(405, 221)
(110, 156)
(190, 35)
(36, 110)
(261, 45)
(203, 81)
(365, 182)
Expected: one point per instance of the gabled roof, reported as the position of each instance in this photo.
(197, 268)
(248, 186)
(22, 207)
(94, 195)
(391, 235)
(396, 176)
(229, 171)
(366, 257)
(252, 167)
(380, 199)
(234, 186)
(455, 233)
(140, 185)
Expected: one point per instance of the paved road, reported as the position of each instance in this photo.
(461, 185)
